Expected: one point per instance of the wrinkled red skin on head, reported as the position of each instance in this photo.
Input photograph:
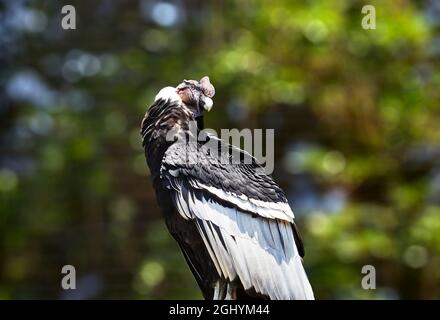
(207, 87)
(186, 95)
(190, 90)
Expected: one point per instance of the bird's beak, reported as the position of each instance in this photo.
(207, 102)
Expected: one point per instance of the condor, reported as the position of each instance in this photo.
(230, 219)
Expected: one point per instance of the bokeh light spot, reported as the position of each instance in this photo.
(415, 256)
(334, 162)
(8, 180)
(164, 14)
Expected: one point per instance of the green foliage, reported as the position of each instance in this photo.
(356, 118)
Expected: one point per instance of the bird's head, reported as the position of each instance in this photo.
(197, 94)
(174, 108)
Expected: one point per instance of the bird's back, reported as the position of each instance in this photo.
(230, 219)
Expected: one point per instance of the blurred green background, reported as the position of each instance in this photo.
(357, 137)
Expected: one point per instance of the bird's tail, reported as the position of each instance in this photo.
(301, 290)
(295, 287)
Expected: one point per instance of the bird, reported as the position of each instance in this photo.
(231, 220)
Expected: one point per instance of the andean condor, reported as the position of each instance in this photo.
(230, 219)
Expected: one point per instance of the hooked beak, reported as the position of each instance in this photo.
(207, 102)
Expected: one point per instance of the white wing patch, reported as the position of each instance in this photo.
(272, 210)
(261, 253)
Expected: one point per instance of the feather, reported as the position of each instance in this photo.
(230, 213)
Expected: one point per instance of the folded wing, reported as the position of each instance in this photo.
(243, 218)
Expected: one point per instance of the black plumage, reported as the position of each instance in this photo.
(230, 219)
